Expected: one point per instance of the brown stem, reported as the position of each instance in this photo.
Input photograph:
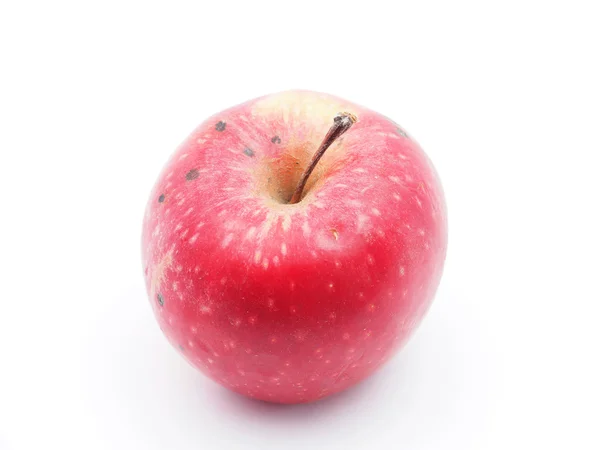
(341, 123)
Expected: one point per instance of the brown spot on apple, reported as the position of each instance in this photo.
(276, 140)
(192, 175)
(220, 126)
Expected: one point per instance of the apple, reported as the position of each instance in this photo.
(292, 244)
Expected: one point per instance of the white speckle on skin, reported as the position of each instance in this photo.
(361, 221)
(283, 249)
(250, 233)
(353, 203)
(306, 229)
(286, 223)
(394, 179)
(184, 233)
(271, 303)
(257, 256)
(196, 269)
(179, 226)
(314, 254)
(365, 189)
(194, 330)
(426, 245)
(401, 271)
(338, 264)
(292, 285)
(370, 260)
(175, 285)
(200, 225)
(376, 212)
(421, 231)
(190, 343)
(169, 175)
(252, 320)
(227, 240)
(179, 268)
(227, 189)
(371, 307)
(273, 340)
(340, 185)
(293, 309)
(396, 196)
(188, 212)
(276, 260)
(265, 263)
(402, 156)
(241, 373)
(205, 309)
(180, 202)
(194, 238)
(359, 170)
(419, 204)
(346, 336)
(223, 280)
(319, 205)
(332, 316)
(330, 286)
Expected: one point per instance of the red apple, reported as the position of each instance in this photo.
(290, 301)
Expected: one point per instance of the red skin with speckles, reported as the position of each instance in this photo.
(293, 302)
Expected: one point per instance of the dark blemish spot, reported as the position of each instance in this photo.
(192, 175)
(276, 140)
(249, 152)
(220, 126)
(181, 347)
(160, 299)
(161, 198)
(401, 132)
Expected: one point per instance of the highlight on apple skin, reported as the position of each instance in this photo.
(285, 301)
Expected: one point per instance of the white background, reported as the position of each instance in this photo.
(504, 97)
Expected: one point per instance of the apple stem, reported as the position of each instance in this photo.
(341, 123)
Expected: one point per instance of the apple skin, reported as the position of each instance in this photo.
(282, 302)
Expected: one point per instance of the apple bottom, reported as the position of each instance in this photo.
(310, 370)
